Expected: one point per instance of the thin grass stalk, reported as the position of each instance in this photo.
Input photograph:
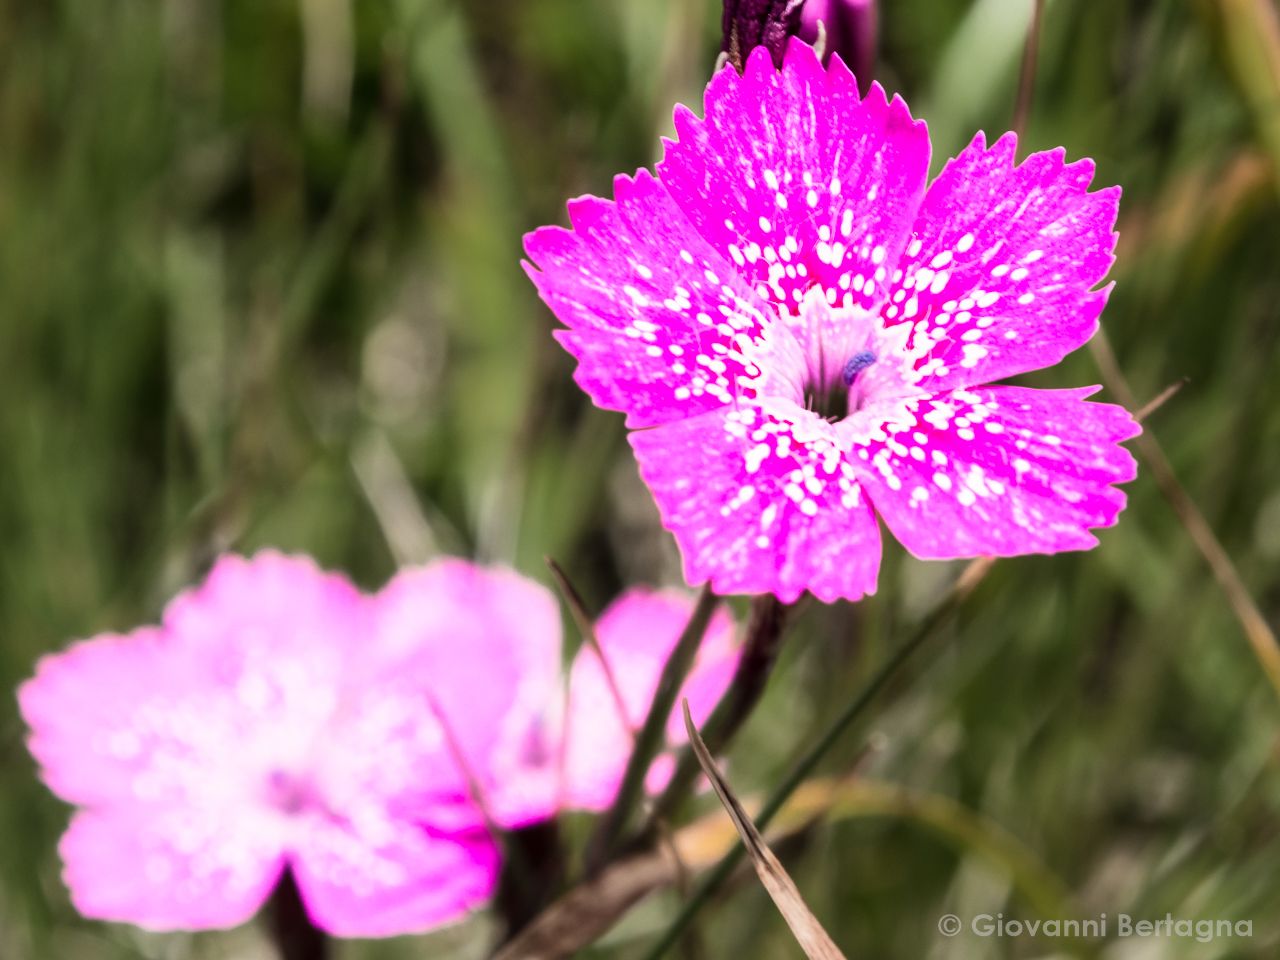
(765, 630)
(587, 630)
(652, 735)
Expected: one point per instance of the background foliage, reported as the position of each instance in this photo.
(259, 284)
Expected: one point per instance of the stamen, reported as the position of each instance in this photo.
(856, 364)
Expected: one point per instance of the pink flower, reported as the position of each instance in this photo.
(261, 725)
(799, 332)
(279, 717)
(501, 694)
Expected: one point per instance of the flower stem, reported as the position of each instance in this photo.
(969, 579)
(296, 937)
(532, 874)
(652, 736)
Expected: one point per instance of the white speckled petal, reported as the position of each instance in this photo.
(752, 519)
(798, 180)
(1001, 471)
(876, 303)
(653, 311)
(1000, 274)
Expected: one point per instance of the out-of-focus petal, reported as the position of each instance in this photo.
(485, 643)
(270, 604)
(169, 868)
(636, 633)
(388, 879)
(96, 713)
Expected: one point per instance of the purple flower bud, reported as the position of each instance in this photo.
(759, 23)
(851, 32)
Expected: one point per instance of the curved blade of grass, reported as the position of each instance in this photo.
(759, 653)
(808, 931)
(652, 735)
(582, 619)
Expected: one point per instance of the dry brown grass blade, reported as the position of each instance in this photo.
(809, 933)
(1254, 625)
(585, 913)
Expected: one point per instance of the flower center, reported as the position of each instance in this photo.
(840, 370)
(858, 375)
(835, 399)
(288, 792)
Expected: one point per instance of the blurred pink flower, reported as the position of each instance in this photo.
(279, 717)
(500, 689)
(260, 726)
(799, 332)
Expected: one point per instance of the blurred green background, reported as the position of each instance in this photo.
(260, 284)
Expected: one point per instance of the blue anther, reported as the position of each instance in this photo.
(856, 364)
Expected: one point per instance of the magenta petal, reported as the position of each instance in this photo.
(81, 707)
(636, 633)
(376, 879)
(645, 300)
(168, 868)
(486, 643)
(1001, 272)
(766, 515)
(247, 669)
(798, 180)
(1001, 471)
(268, 605)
